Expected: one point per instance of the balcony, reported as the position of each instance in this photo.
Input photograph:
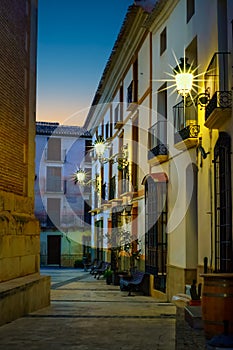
(158, 148)
(186, 126)
(218, 110)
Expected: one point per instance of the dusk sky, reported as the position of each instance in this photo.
(75, 39)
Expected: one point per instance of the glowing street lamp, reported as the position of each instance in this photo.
(80, 177)
(185, 84)
(99, 146)
(183, 77)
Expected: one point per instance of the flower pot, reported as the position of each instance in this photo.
(195, 302)
(109, 279)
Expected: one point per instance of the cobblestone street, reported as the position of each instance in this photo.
(87, 314)
(187, 337)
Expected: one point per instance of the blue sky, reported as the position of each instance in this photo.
(75, 39)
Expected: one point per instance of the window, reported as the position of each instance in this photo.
(190, 9)
(117, 114)
(134, 166)
(103, 184)
(132, 90)
(120, 174)
(54, 149)
(87, 214)
(162, 102)
(156, 237)
(112, 188)
(130, 93)
(162, 115)
(107, 130)
(116, 224)
(53, 212)
(88, 148)
(65, 186)
(86, 240)
(99, 239)
(163, 41)
(223, 204)
(53, 180)
(111, 126)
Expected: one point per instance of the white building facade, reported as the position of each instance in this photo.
(165, 175)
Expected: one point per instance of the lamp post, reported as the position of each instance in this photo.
(100, 146)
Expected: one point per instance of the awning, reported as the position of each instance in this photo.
(157, 177)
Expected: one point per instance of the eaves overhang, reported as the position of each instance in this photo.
(160, 13)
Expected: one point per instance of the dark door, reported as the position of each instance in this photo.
(223, 204)
(54, 250)
(156, 237)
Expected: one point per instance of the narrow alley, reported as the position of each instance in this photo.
(87, 314)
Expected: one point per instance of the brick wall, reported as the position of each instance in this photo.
(14, 24)
(19, 229)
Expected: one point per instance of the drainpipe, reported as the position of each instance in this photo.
(211, 203)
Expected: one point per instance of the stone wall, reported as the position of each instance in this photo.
(19, 229)
(19, 237)
(177, 278)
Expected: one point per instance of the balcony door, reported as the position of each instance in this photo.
(156, 237)
(99, 240)
(223, 204)
(162, 116)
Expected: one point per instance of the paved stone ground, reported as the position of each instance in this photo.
(86, 314)
(186, 336)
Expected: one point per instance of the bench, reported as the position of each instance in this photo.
(95, 266)
(100, 271)
(133, 283)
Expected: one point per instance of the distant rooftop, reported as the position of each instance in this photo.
(49, 128)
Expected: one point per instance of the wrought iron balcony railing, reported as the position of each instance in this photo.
(189, 132)
(185, 122)
(217, 83)
(158, 140)
(220, 99)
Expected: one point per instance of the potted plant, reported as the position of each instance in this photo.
(108, 275)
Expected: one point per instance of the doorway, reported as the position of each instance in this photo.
(54, 250)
